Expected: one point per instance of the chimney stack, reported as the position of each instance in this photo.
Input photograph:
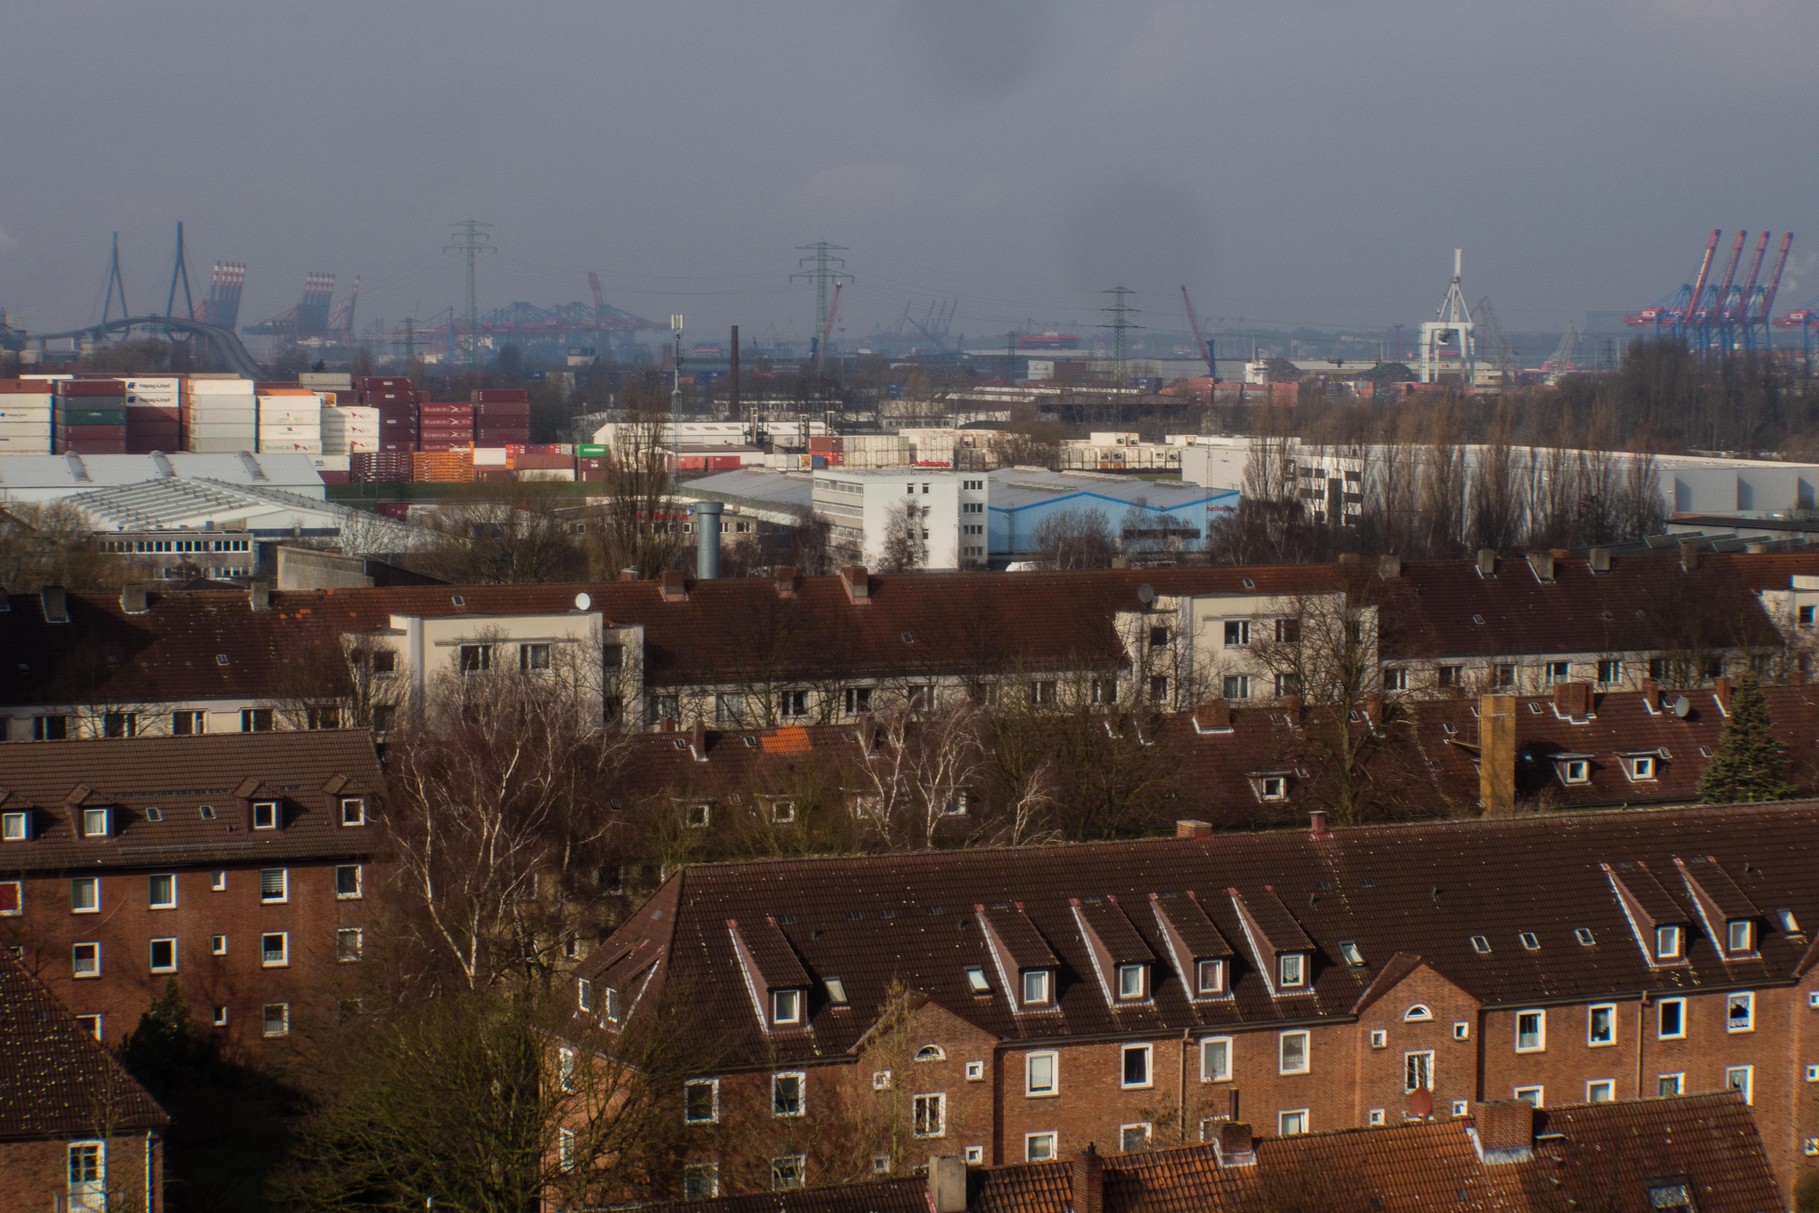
(672, 586)
(1506, 1131)
(1317, 829)
(1601, 560)
(1573, 700)
(1389, 567)
(1089, 1181)
(1542, 564)
(1497, 754)
(732, 404)
(707, 540)
(946, 1183)
(259, 595)
(1487, 562)
(1721, 691)
(1689, 554)
(1233, 1145)
(1188, 827)
(858, 584)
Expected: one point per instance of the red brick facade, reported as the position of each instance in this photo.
(36, 1176)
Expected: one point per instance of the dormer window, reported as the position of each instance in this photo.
(614, 1009)
(1133, 982)
(1575, 770)
(1740, 936)
(265, 814)
(584, 994)
(786, 1007)
(1668, 944)
(15, 827)
(1209, 977)
(1038, 987)
(1272, 787)
(1291, 970)
(97, 823)
(353, 811)
(1638, 767)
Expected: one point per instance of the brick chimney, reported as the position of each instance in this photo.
(1213, 717)
(1651, 695)
(1721, 691)
(1291, 707)
(1389, 567)
(1316, 827)
(1497, 754)
(858, 585)
(1188, 827)
(672, 586)
(1505, 1131)
(1600, 560)
(697, 741)
(946, 1183)
(787, 578)
(1542, 565)
(1233, 1145)
(1487, 562)
(1373, 708)
(1573, 699)
(1689, 554)
(1089, 1181)
(259, 596)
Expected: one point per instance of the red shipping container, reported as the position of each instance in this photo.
(334, 476)
(376, 383)
(92, 387)
(490, 394)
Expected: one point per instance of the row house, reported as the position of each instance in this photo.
(793, 650)
(239, 867)
(77, 1133)
(1699, 1152)
(1017, 1005)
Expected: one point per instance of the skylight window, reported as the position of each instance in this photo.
(975, 980)
(836, 991)
(1528, 940)
(1584, 936)
(1352, 954)
(1480, 944)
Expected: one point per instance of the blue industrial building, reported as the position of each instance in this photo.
(1140, 513)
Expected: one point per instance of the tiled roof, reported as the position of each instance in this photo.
(56, 1079)
(1605, 1156)
(1425, 890)
(175, 776)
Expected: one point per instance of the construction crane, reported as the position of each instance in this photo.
(1200, 341)
(1566, 355)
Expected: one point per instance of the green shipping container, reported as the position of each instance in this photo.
(92, 416)
(590, 450)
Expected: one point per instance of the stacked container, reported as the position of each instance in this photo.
(350, 430)
(443, 466)
(290, 419)
(396, 403)
(502, 416)
(25, 417)
(380, 467)
(445, 427)
(154, 414)
(220, 415)
(90, 416)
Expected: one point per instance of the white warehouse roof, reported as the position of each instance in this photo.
(52, 477)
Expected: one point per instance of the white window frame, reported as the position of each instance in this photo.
(1666, 950)
(217, 880)
(1216, 987)
(15, 827)
(1291, 971)
(1133, 982)
(151, 950)
(359, 871)
(87, 1186)
(1677, 1077)
(93, 885)
(284, 892)
(1740, 928)
(284, 950)
(1575, 771)
(151, 896)
(284, 1019)
(1540, 1034)
(1745, 999)
(801, 1080)
(97, 823)
(565, 1148)
(1215, 1059)
(1283, 1040)
(1030, 1087)
(265, 814)
(1592, 1037)
(75, 962)
(1291, 1122)
(1536, 1095)
(789, 1172)
(357, 815)
(1380, 1039)
(1148, 1053)
(12, 892)
(217, 945)
(708, 1171)
(712, 1087)
(919, 1126)
(344, 954)
(584, 995)
(1044, 981)
(1141, 1127)
(786, 1007)
(1040, 1147)
(1679, 1032)
(1747, 1075)
(1412, 1061)
(1601, 1090)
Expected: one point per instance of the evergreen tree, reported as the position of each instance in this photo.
(1748, 764)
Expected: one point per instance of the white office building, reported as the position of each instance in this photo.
(947, 508)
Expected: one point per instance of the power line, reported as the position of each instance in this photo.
(471, 241)
(824, 270)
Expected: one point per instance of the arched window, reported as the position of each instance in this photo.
(931, 1053)
(1417, 1014)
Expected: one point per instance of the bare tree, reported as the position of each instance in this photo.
(1075, 539)
(904, 546)
(51, 544)
(481, 535)
(637, 529)
(920, 770)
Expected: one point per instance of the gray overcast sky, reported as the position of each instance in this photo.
(1291, 161)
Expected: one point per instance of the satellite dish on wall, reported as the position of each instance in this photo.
(582, 601)
(1681, 707)
(1146, 593)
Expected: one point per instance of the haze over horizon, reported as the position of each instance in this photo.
(1300, 162)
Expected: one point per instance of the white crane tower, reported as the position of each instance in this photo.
(1450, 336)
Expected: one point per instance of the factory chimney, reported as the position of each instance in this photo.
(707, 540)
(732, 405)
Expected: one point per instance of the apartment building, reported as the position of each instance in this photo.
(238, 866)
(788, 649)
(1699, 1152)
(1139, 994)
(77, 1134)
(863, 508)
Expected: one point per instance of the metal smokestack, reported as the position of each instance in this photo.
(733, 402)
(707, 540)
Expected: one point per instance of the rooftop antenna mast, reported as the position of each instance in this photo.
(471, 241)
(1450, 330)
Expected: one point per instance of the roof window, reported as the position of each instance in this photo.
(1584, 936)
(836, 991)
(1350, 951)
(975, 980)
(1528, 940)
(1481, 945)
